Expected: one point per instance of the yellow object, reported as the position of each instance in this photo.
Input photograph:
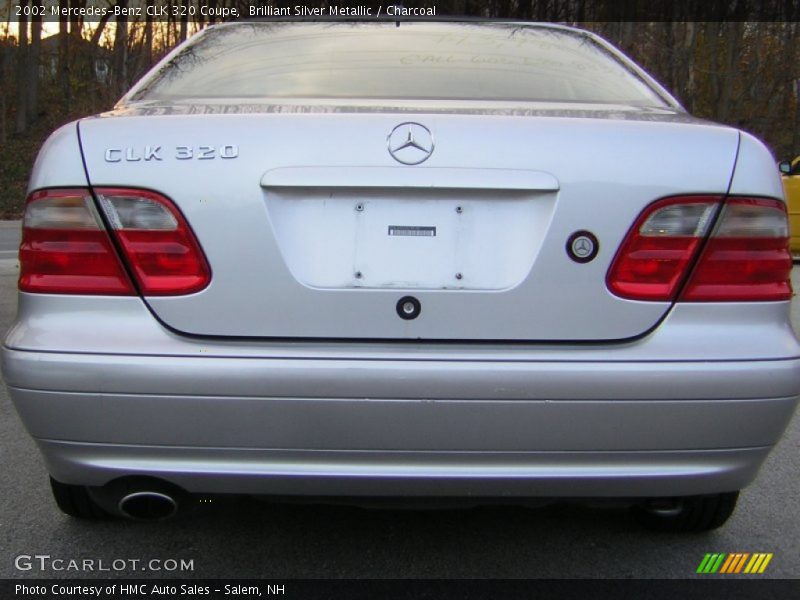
(791, 187)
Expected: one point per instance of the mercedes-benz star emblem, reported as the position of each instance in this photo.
(410, 143)
(582, 246)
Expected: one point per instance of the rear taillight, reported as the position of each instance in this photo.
(660, 247)
(156, 241)
(66, 249)
(745, 258)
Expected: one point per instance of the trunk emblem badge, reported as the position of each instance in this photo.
(410, 143)
(582, 246)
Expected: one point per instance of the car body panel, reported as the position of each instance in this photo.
(290, 374)
(477, 476)
(125, 326)
(59, 162)
(755, 173)
(406, 425)
(545, 298)
(653, 416)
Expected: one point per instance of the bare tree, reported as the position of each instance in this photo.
(148, 37)
(76, 23)
(184, 20)
(34, 63)
(63, 55)
(22, 71)
(120, 70)
(5, 54)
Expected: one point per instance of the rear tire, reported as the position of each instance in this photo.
(75, 501)
(689, 513)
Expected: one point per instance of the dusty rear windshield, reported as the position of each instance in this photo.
(423, 61)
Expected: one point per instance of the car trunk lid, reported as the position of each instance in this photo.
(312, 229)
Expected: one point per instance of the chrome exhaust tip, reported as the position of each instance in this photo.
(148, 505)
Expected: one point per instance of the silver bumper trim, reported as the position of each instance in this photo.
(518, 474)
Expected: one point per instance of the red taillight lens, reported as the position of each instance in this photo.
(746, 257)
(156, 241)
(65, 248)
(663, 242)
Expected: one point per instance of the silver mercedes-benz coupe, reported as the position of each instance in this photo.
(403, 259)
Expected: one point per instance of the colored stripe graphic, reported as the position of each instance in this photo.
(711, 563)
(734, 563)
(765, 563)
(741, 562)
(704, 563)
(728, 564)
(758, 563)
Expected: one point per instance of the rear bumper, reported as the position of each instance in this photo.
(404, 427)
(692, 408)
(411, 474)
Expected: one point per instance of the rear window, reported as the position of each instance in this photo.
(431, 61)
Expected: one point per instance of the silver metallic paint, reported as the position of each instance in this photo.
(691, 406)
(261, 297)
(476, 474)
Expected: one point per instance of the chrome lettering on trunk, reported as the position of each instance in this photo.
(154, 153)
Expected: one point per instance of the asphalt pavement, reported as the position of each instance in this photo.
(248, 538)
(9, 239)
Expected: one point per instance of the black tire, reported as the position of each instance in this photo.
(689, 513)
(75, 501)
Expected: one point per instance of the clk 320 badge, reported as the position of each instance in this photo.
(157, 153)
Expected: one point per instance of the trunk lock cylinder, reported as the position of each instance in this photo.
(408, 308)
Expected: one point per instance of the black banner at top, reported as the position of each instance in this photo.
(570, 11)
